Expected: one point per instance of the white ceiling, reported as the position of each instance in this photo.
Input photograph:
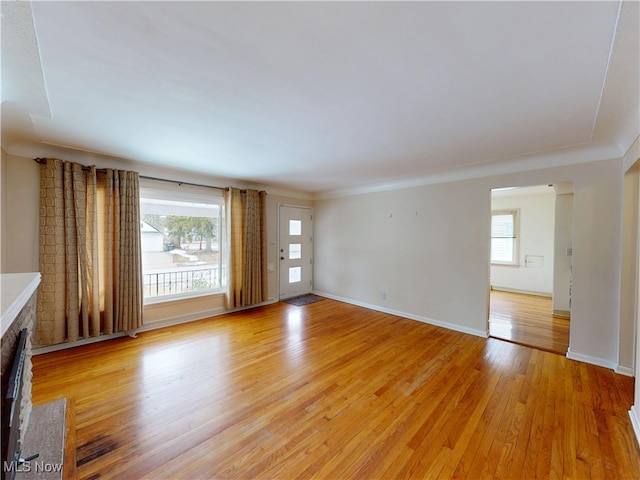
(321, 96)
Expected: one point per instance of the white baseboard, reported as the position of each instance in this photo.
(626, 371)
(518, 290)
(601, 362)
(411, 316)
(479, 333)
(78, 343)
(635, 422)
(167, 322)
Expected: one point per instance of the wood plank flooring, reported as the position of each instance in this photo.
(331, 390)
(527, 320)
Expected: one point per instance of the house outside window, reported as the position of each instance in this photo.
(182, 248)
(504, 237)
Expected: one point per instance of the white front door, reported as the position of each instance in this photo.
(295, 255)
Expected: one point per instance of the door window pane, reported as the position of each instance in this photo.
(295, 274)
(295, 251)
(295, 227)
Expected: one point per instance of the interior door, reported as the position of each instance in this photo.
(295, 250)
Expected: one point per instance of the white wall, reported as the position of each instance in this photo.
(597, 224)
(536, 233)
(152, 242)
(434, 265)
(421, 251)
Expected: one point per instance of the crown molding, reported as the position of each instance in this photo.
(558, 158)
(567, 156)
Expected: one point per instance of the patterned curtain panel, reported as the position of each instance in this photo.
(90, 257)
(245, 212)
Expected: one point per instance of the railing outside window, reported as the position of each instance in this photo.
(188, 280)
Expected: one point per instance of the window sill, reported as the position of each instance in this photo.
(493, 264)
(178, 297)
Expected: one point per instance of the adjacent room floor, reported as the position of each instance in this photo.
(527, 320)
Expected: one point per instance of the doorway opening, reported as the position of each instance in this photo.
(530, 265)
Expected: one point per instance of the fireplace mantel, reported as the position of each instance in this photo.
(17, 289)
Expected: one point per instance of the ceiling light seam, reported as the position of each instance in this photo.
(606, 70)
(44, 77)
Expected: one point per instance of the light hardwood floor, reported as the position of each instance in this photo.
(331, 390)
(527, 320)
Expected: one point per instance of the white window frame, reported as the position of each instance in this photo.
(515, 260)
(157, 190)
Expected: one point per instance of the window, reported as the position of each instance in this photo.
(295, 227)
(295, 251)
(295, 274)
(504, 237)
(182, 254)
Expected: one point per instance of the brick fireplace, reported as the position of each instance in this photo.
(18, 292)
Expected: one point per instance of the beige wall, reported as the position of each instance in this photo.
(20, 205)
(427, 248)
